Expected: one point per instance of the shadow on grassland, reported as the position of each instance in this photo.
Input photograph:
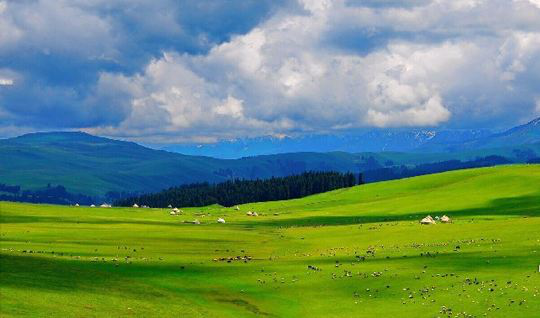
(67, 275)
(514, 206)
(140, 282)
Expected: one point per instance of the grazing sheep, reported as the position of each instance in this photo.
(249, 213)
(220, 220)
(172, 213)
(105, 205)
(196, 222)
(92, 206)
(135, 205)
(237, 208)
(255, 214)
(176, 210)
(427, 220)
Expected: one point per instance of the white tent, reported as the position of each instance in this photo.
(427, 220)
(445, 219)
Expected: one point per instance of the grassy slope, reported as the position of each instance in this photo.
(93, 166)
(171, 271)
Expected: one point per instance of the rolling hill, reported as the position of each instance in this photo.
(357, 252)
(95, 166)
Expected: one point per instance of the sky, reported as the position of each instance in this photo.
(178, 71)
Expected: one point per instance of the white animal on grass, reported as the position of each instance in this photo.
(220, 220)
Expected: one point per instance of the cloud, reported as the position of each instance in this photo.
(297, 67)
(64, 52)
(6, 82)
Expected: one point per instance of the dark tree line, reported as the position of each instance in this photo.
(9, 188)
(51, 194)
(234, 192)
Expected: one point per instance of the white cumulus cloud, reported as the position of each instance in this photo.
(319, 65)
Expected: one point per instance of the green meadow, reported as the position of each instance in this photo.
(357, 252)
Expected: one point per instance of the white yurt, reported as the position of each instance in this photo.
(427, 220)
(446, 219)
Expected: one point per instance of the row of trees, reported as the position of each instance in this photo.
(51, 194)
(234, 192)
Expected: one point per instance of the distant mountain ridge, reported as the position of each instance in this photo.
(521, 135)
(98, 166)
(375, 140)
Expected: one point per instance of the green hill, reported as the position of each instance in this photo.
(357, 252)
(94, 166)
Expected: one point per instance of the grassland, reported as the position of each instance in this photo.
(357, 252)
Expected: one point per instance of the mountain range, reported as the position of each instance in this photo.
(375, 140)
(93, 165)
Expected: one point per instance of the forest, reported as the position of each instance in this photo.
(238, 191)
